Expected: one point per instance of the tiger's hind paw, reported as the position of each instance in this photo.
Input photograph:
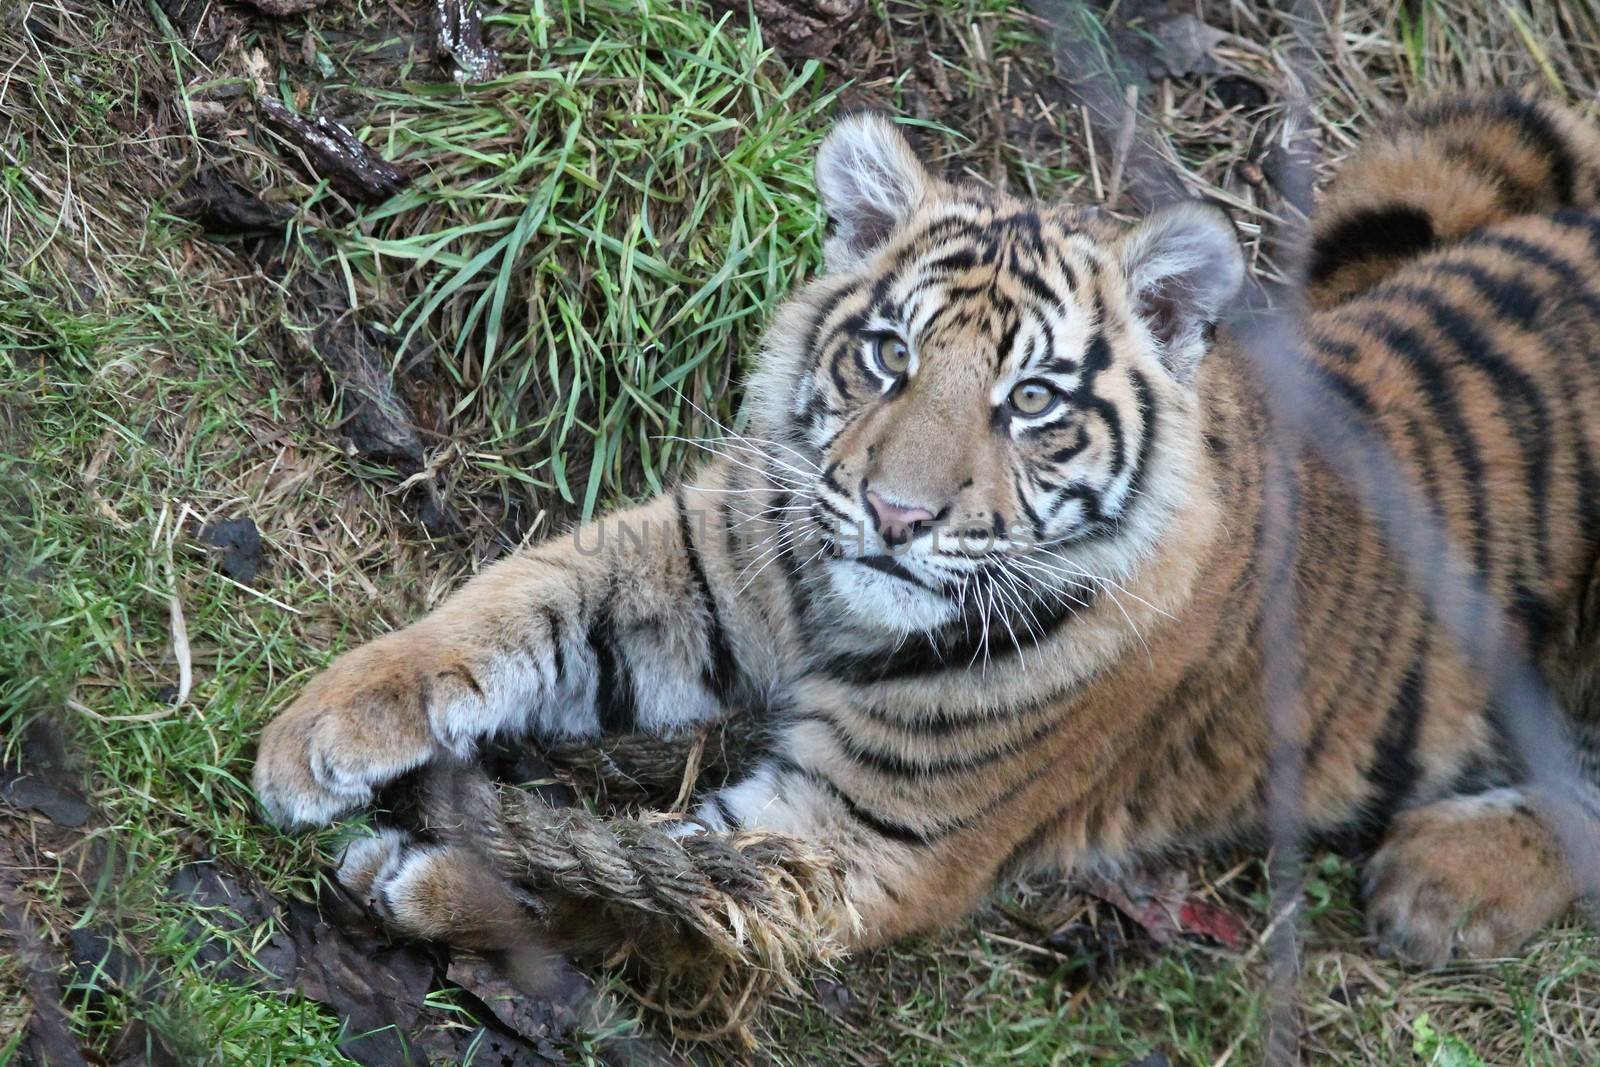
(436, 892)
(1469, 876)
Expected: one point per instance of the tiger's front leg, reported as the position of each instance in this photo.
(615, 628)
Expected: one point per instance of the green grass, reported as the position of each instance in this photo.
(88, 629)
(594, 238)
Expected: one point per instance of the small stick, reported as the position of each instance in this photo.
(1094, 161)
(333, 152)
(458, 25)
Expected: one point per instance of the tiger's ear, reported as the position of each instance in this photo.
(870, 182)
(1183, 266)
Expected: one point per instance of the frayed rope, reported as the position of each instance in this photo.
(703, 928)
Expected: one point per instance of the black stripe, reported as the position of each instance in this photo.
(1360, 595)
(557, 654)
(1484, 770)
(1542, 133)
(943, 722)
(1532, 126)
(1511, 300)
(953, 228)
(1521, 195)
(1537, 615)
(1027, 508)
(1036, 286)
(951, 261)
(794, 583)
(1394, 769)
(816, 409)
(1575, 294)
(833, 483)
(1058, 362)
(1146, 403)
(1027, 221)
(1475, 348)
(721, 674)
(1097, 358)
(882, 827)
(955, 645)
(995, 803)
(840, 353)
(824, 505)
(1096, 355)
(1008, 341)
(1093, 517)
(614, 693)
(1410, 347)
(1055, 251)
(1062, 455)
(728, 817)
(1363, 412)
(1575, 287)
(460, 671)
(732, 487)
(1395, 231)
(886, 564)
(895, 765)
(830, 304)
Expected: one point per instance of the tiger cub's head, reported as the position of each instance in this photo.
(983, 396)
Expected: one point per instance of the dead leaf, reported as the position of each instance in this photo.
(531, 1017)
(239, 542)
(48, 780)
(375, 986)
(222, 207)
(49, 1040)
(802, 28)
(832, 997)
(1155, 1059)
(1158, 39)
(236, 903)
(1164, 907)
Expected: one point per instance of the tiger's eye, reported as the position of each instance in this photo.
(893, 355)
(1033, 398)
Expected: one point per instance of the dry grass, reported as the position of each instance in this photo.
(152, 382)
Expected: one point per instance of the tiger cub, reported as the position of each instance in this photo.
(989, 560)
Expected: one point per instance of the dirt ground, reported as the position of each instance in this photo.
(305, 316)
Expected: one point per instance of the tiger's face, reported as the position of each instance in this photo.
(983, 400)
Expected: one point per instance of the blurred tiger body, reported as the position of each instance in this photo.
(993, 557)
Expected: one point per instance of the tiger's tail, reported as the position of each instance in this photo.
(1438, 173)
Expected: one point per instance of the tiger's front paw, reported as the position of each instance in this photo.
(1470, 876)
(359, 725)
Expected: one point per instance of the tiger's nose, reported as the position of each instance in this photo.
(896, 522)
